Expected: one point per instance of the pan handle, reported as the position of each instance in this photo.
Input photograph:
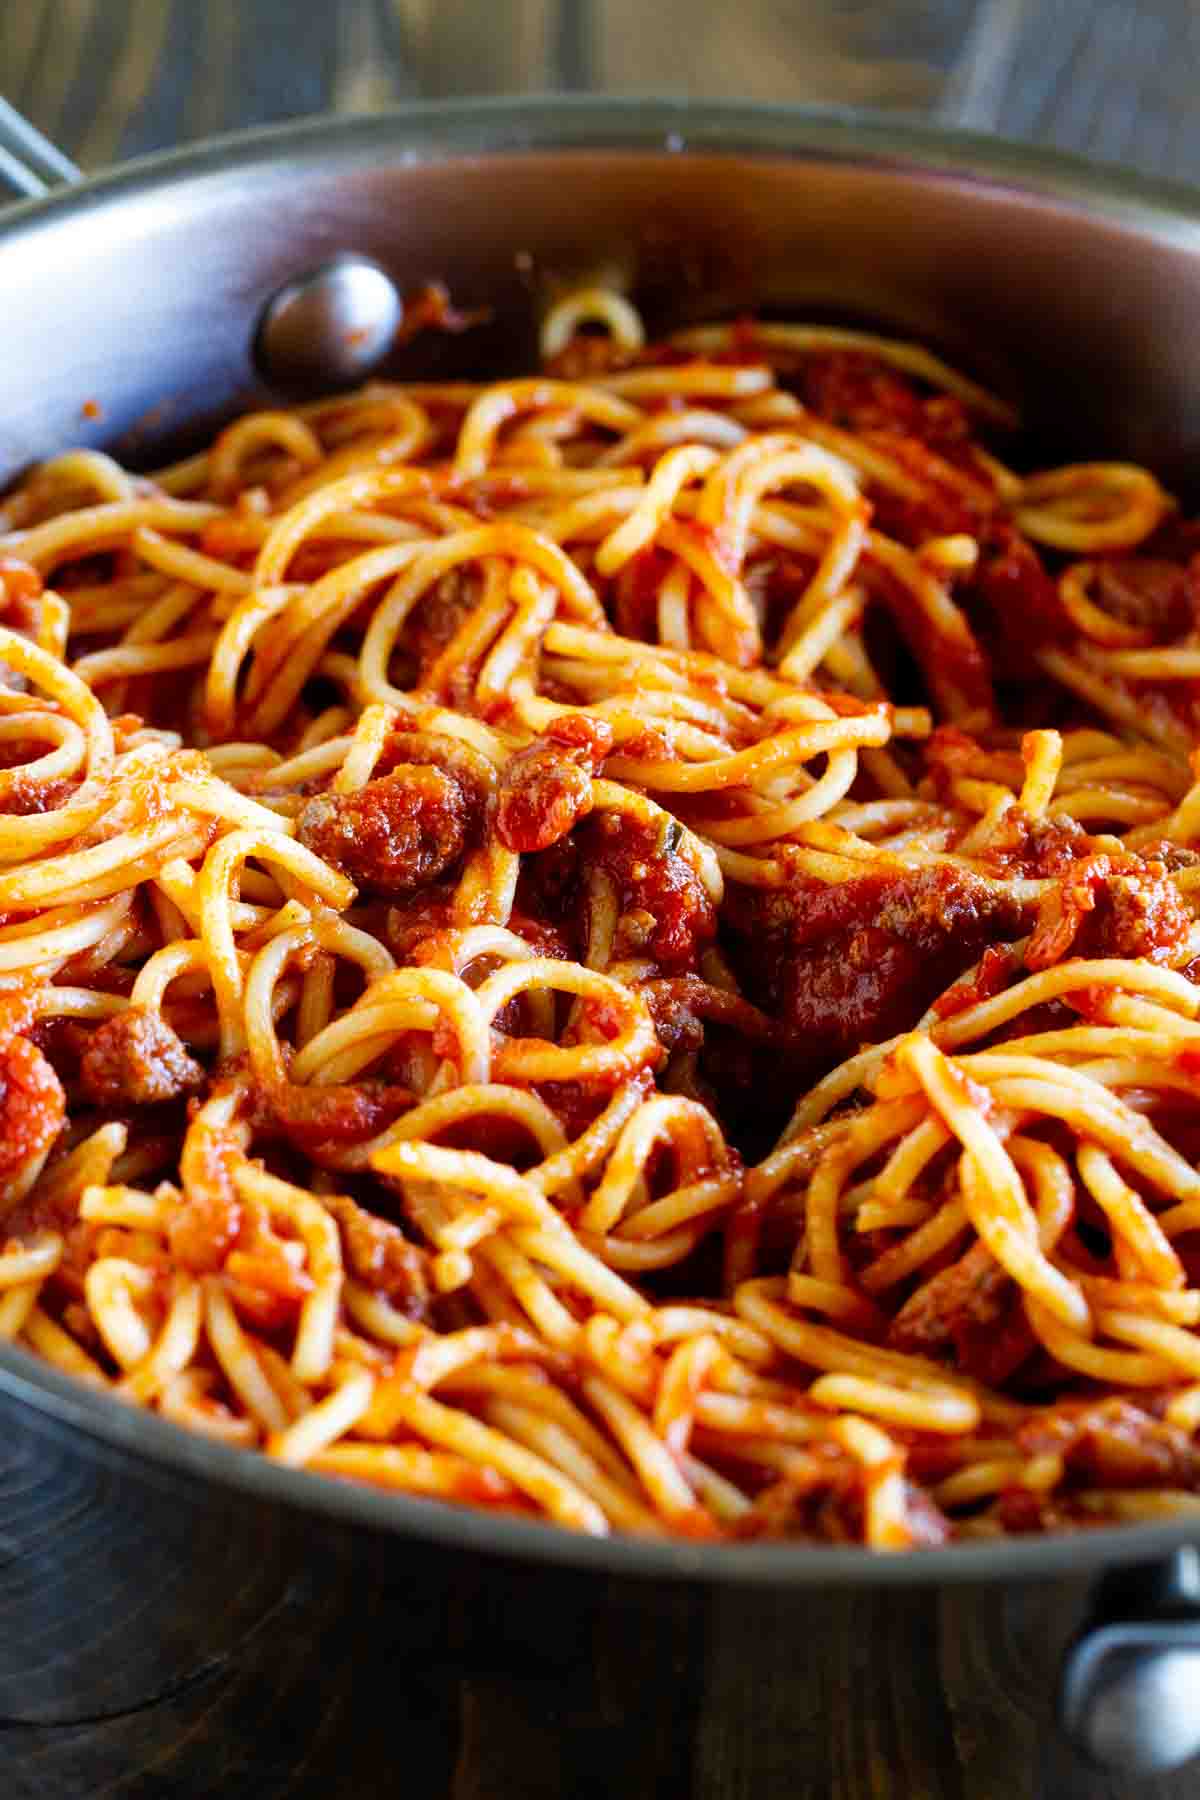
(1129, 1695)
(29, 163)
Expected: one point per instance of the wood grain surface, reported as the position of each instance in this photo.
(111, 78)
(154, 1646)
(155, 1650)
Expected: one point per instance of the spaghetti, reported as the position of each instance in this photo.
(618, 946)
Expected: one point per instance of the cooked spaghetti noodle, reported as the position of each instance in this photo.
(618, 946)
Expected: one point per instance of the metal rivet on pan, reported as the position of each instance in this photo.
(1138, 1715)
(329, 327)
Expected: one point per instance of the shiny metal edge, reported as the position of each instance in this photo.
(437, 130)
(139, 1436)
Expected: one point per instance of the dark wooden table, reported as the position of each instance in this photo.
(923, 1697)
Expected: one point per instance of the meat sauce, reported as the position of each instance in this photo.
(440, 616)
(408, 826)
(381, 1257)
(322, 1119)
(135, 1059)
(1115, 1442)
(969, 1315)
(1154, 596)
(1110, 906)
(854, 390)
(852, 963)
(32, 1102)
(668, 913)
(665, 914)
(547, 786)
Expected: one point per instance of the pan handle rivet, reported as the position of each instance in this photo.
(329, 327)
(1129, 1691)
(1136, 1715)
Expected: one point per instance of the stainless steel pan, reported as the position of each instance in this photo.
(164, 296)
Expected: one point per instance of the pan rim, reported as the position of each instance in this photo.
(129, 1434)
(441, 130)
